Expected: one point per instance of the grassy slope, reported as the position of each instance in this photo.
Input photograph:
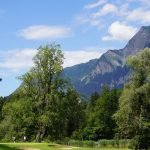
(42, 146)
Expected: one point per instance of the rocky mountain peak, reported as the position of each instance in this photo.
(110, 69)
(139, 41)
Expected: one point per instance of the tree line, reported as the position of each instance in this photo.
(47, 107)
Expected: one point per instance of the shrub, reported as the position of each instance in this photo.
(114, 143)
(89, 143)
(123, 143)
(75, 143)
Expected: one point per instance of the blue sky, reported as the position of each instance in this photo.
(85, 29)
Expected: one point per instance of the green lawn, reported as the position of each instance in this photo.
(45, 146)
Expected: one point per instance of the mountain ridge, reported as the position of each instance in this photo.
(110, 69)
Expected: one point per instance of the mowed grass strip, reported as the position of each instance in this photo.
(46, 146)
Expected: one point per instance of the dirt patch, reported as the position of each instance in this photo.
(65, 148)
(30, 149)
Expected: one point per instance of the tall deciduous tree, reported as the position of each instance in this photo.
(133, 116)
(43, 84)
(45, 106)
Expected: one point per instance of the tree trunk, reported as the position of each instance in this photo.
(40, 134)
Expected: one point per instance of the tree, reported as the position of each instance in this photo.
(1, 106)
(56, 105)
(43, 85)
(74, 112)
(100, 124)
(133, 116)
(18, 119)
(106, 106)
(93, 101)
(45, 106)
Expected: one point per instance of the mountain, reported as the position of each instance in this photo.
(110, 69)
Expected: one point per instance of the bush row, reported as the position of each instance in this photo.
(123, 143)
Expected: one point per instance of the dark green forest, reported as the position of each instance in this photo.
(46, 107)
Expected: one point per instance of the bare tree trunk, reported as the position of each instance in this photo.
(40, 134)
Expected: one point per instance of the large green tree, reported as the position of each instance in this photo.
(42, 84)
(56, 105)
(133, 116)
(45, 106)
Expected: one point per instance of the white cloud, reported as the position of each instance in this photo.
(38, 32)
(96, 4)
(145, 3)
(88, 19)
(102, 14)
(16, 60)
(77, 57)
(141, 1)
(123, 10)
(139, 14)
(119, 31)
(93, 18)
(108, 8)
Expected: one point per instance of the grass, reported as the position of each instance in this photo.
(45, 146)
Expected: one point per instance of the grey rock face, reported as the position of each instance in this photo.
(110, 69)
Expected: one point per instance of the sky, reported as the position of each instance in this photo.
(85, 29)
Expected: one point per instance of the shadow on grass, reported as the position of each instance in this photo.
(52, 145)
(5, 147)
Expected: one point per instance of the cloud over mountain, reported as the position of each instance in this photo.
(119, 31)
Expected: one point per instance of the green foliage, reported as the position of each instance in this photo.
(133, 116)
(45, 107)
(1, 107)
(82, 143)
(18, 119)
(103, 143)
(123, 143)
(99, 123)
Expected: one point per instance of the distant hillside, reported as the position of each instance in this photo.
(110, 68)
